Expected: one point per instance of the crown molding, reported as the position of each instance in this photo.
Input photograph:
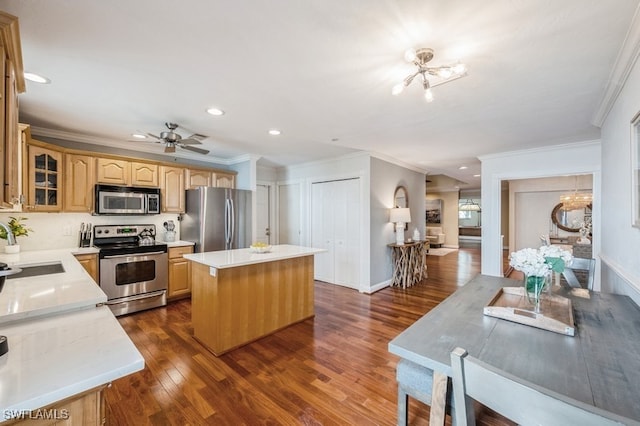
(627, 58)
(542, 149)
(111, 143)
(397, 162)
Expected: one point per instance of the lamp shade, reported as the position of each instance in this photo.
(400, 215)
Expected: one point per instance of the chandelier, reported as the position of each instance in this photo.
(439, 75)
(576, 200)
(469, 206)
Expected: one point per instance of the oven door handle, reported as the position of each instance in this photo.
(137, 297)
(133, 255)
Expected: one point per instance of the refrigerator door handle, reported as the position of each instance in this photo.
(233, 223)
(227, 222)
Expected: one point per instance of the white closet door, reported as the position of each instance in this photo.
(347, 234)
(263, 214)
(322, 231)
(289, 214)
(335, 226)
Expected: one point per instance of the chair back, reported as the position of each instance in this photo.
(580, 264)
(522, 402)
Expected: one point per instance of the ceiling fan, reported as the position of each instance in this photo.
(171, 139)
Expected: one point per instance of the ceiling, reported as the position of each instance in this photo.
(322, 73)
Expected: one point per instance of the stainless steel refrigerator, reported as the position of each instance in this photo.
(217, 218)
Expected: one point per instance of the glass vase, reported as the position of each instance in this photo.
(534, 286)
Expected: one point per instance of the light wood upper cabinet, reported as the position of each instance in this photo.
(195, 178)
(44, 179)
(224, 180)
(172, 189)
(144, 174)
(14, 83)
(79, 178)
(113, 172)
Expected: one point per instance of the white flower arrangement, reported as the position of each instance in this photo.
(531, 262)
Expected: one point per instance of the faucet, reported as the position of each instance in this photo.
(11, 239)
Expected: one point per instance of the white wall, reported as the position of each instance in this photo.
(620, 241)
(385, 178)
(558, 160)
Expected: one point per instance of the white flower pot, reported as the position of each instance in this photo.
(12, 249)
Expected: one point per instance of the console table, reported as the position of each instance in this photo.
(598, 366)
(409, 263)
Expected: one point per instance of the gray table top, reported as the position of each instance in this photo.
(600, 365)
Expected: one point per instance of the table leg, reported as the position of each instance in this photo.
(438, 399)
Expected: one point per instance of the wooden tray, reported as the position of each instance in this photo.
(556, 313)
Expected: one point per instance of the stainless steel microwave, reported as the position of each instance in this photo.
(127, 200)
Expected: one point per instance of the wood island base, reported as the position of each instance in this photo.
(244, 303)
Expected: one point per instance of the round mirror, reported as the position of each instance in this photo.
(401, 197)
(567, 220)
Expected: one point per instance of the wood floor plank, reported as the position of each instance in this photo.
(333, 369)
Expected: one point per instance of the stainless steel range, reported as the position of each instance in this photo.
(133, 267)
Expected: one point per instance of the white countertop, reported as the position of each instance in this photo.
(240, 257)
(29, 297)
(180, 243)
(54, 358)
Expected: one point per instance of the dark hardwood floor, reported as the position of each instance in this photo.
(333, 369)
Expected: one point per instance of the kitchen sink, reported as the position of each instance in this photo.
(35, 270)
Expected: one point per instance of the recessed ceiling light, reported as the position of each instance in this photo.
(215, 111)
(139, 136)
(36, 78)
(476, 175)
(463, 167)
(274, 132)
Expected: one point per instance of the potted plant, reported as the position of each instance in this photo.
(18, 229)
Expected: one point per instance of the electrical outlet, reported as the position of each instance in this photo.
(66, 230)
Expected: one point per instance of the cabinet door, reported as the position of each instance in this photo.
(114, 172)
(12, 138)
(44, 177)
(179, 272)
(90, 263)
(144, 174)
(79, 177)
(172, 189)
(224, 180)
(195, 178)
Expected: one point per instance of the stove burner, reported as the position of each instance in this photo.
(115, 240)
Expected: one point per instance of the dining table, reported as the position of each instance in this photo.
(599, 365)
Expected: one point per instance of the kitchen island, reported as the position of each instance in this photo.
(239, 296)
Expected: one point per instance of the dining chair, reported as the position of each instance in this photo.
(519, 400)
(416, 381)
(586, 266)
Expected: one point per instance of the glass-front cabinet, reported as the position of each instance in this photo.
(44, 179)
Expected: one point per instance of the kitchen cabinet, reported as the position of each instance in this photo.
(144, 174)
(87, 408)
(44, 179)
(195, 178)
(14, 83)
(172, 189)
(79, 178)
(179, 273)
(89, 262)
(224, 180)
(113, 172)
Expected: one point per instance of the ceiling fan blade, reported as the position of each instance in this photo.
(190, 141)
(170, 148)
(154, 136)
(194, 149)
(198, 136)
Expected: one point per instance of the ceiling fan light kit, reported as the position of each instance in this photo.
(170, 138)
(439, 75)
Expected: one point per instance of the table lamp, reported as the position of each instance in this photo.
(400, 216)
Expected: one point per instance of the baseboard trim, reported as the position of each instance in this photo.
(377, 287)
